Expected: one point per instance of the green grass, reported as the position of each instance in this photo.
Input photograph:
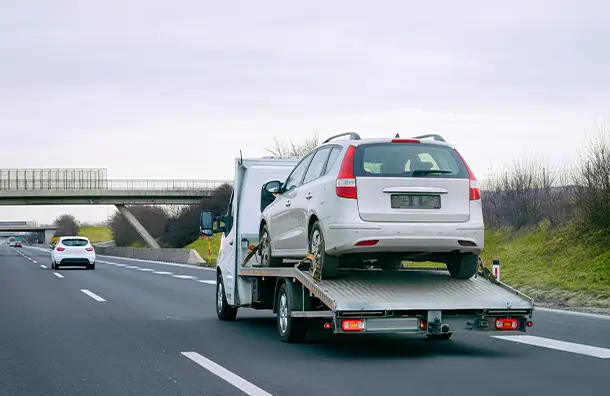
(553, 264)
(96, 234)
(201, 246)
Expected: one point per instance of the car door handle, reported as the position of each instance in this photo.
(308, 196)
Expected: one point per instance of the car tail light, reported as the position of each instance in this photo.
(369, 242)
(346, 181)
(475, 191)
(352, 325)
(60, 249)
(506, 324)
(405, 141)
(89, 249)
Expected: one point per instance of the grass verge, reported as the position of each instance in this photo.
(96, 234)
(201, 246)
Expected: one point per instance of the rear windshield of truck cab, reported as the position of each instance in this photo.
(402, 159)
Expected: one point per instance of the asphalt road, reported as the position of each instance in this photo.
(142, 328)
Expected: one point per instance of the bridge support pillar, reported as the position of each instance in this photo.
(138, 226)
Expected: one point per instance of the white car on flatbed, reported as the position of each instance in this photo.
(355, 202)
(427, 302)
(73, 251)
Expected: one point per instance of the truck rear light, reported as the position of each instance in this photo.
(89, 249)
(506, 324)
(475, 191)
(405, 141)
(60, 249)
(346, 181)
(422, 324)
(369, 242)
(530, 323)
(352, 325)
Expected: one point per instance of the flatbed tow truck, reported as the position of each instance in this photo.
(424, 301)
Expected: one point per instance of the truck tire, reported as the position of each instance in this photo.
(267, 260)
(317, 247)
(224, 311)
(463, 266)
(290, 329)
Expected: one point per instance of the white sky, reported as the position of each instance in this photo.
(174, 89)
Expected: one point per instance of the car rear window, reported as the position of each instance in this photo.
(74, 242)
(408, 160)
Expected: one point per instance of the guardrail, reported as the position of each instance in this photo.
(115, 184)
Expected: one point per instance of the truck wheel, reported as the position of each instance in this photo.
(317, 247)
(223, 309)
(266, 259)
(463, 266)
(290, 329)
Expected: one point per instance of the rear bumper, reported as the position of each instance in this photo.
(85, 260)
(340, 238)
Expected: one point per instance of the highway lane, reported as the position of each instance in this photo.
(145, 313)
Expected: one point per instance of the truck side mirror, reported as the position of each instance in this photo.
(268, 193)
(208, 224)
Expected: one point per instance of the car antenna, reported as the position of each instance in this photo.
(397, 136)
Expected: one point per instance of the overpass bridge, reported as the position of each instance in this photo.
(20, 187)
(15, 228)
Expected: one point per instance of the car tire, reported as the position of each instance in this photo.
(91, 266)
(52, 264)
(224, 311)
(267, 260)
(317, 247)
(290, 329)
(463, 266)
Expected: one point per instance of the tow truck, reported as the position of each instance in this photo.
(422, 300)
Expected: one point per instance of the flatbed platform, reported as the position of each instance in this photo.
(373, 290)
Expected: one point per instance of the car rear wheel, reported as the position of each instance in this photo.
(317, 247)
(463, 266)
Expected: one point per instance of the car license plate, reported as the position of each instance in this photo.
(410, 201)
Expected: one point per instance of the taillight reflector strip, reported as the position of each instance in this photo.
(475, 191)
(506, 324)
(89, 249)
(369, 242)
(352, 325)
(346, 181)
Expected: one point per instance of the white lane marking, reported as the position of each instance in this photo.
(35, 262)
(232, 378)
(163, 273)
(58, 275)
(162, 263)
(145, 269)
(43, 266)
(184, 277)
(602, 353)
(29, 258)
(131, 266)
(574, 313)
(120, 265)
(209, 282)
(93, 295)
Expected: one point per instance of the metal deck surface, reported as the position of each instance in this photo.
(403, 290)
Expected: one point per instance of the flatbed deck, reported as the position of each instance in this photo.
(373, 290)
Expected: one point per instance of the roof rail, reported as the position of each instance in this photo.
(352, 135)
(438, 138)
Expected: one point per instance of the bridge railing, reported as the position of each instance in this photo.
(112, 184)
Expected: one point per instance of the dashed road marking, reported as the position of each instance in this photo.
(184, 277)
(145, 269)
(58, 275)
(247, 387)
(43, 266)
(602, 353)
(93, 295)
(209, 282)
(163, 273)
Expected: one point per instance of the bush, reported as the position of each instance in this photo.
(66, 226)
(152, 218)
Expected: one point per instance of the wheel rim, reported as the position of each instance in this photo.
(316, 242)
(266, 251)
(219, 297)
(283, 313)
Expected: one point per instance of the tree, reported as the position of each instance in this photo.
(66, 225)
(290, 149)
(152, 218)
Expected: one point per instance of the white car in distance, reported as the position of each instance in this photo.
(360, 202)
(73, 251)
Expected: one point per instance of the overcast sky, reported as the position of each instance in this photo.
(174, 89)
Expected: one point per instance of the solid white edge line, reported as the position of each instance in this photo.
(582, 349)
(58, 275)
(247, 387)
(573, 313)
(93, 295)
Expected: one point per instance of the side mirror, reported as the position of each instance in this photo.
(268, 193)
(208, 225)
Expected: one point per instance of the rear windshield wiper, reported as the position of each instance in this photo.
(417, 172)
